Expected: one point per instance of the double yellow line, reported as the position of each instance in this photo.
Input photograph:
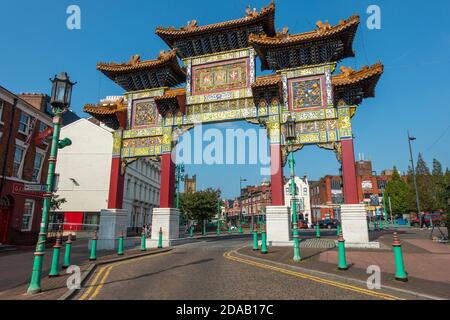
(94, 288)
(340, 285)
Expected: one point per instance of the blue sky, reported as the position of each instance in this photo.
(413, 44)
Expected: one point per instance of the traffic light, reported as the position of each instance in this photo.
(64, 143)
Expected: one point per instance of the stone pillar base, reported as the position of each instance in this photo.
(169, 220)
(278, 225)
(112, 222)
(354, 226)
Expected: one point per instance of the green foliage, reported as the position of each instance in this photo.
(399, 192)
(432, 187)
(201, 205)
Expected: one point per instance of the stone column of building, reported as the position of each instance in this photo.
(276, 167)
(116, 185)
(166, 217)
(349, 172)
(167, 193)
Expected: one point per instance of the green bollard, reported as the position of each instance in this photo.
(317, 230)
(120, 248)
(381, 225)
(143, 241)
(229, 229)
(409, 223)
(54, 271)
(191, 231)
(263, 239)
(375, 226)
(338, 230)
(255, 238)
(342, 261)
(240, 228)
(160, 244)
(66, 262)
(400, 273)
(204, 228)
(94, 247)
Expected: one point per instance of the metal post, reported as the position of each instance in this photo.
(160, 243)
(414, 178)
(385, 211)
(342, 261)
(120, 247)
(394, 220)
(35, 283)
(255, 239)
(294, 206)
(400, 273)
(263, 239)
(94, 247)
(54, 271)
(143, 241)
(218, 213)
(67, 253)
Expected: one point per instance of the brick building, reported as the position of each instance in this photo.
(23, 160)
(255, 199)
(327, 193)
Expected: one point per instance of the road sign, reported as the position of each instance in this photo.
(34, 187)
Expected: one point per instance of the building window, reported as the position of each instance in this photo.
(27, 219)
(18, 157)
(42, 127)
(381, 184)
(336, 184)
(24, 123)
(38, 159)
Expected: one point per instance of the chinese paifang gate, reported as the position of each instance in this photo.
(221, 85)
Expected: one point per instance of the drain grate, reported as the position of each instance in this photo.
(318, 243)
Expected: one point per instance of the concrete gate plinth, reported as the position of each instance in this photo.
(112, 222)
(169, 220)
(278, 221)
(354, 227)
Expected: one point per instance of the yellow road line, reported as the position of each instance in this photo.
(102, 282)
(108, 271)
(92, 284)
(228, 255)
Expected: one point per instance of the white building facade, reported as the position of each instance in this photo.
(303, 197)
(83, 171)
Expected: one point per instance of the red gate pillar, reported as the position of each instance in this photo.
(167, 192)
(116, 185)
(349, 172)
(276, 170)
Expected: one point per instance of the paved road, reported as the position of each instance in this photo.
(201, 271)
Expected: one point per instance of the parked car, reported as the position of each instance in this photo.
(437, 219)
(328, 224)
(302, 224)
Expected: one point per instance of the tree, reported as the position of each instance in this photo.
(438, 187)
(398, 190)
(201, 205)
(424, 182)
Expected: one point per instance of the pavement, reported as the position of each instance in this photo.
(427, 262)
